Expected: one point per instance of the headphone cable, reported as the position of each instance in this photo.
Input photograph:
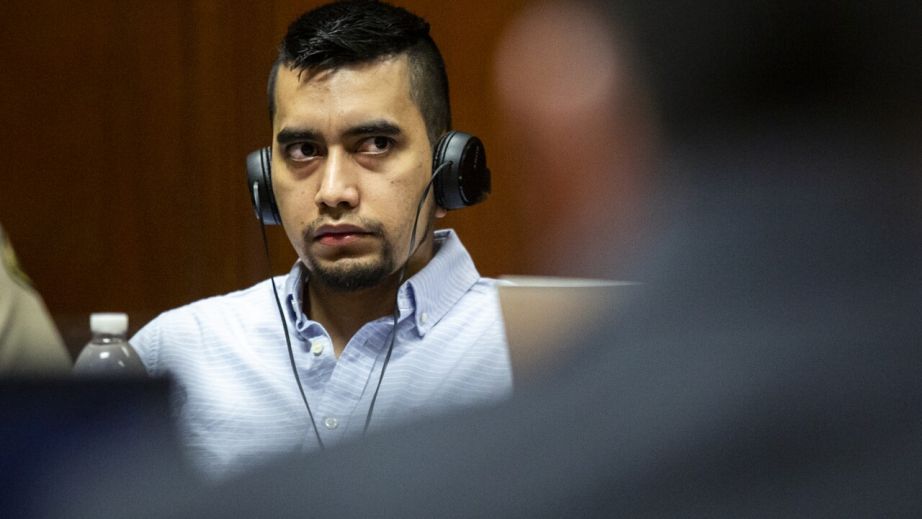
(278, 303)
(403, 271)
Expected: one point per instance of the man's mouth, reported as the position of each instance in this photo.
(334, 235)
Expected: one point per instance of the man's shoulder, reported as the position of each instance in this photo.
(220, 312)
(242, 301)
(486, 286)
(207, 325)
(478, 307)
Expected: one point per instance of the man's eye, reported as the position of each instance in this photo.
(376, 145)
(301, 151)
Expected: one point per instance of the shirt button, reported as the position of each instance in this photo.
(316, 347)
(423, 317)
(330, 423)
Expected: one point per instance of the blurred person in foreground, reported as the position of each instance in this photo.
(30, 345)
(770, 368)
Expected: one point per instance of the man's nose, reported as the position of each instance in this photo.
(338, 183)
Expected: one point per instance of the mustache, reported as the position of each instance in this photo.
(371, 226)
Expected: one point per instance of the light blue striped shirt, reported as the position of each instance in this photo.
(237, 399)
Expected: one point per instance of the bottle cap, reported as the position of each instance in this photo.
(112, 323)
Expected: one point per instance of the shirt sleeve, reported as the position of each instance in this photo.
(147, 343)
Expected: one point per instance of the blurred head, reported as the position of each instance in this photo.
(578, 120)
(599, 95)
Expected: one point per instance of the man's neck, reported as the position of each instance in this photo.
(343, 313)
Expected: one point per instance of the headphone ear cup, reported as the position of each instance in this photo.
(466, 178)
(259, 184)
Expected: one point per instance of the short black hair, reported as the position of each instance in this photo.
(360, 31)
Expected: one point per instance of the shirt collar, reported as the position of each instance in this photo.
(294, 302)
(427, 296)
(435, 289)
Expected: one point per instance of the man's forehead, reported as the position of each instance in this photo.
(381, 85)
(392, 68)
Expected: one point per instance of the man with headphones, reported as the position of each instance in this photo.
(383, 318)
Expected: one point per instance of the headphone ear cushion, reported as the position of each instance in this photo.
(465, 179)
(259, 184)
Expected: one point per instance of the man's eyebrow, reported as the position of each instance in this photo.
(380, 127)
(289, 135)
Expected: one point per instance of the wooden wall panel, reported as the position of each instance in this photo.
(126, 127)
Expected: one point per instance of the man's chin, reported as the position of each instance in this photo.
(350, 275)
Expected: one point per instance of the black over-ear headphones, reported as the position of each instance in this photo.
(465, 181)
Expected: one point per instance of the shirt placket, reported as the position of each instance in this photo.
(348, 393)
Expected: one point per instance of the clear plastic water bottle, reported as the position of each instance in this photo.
(109, 353)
